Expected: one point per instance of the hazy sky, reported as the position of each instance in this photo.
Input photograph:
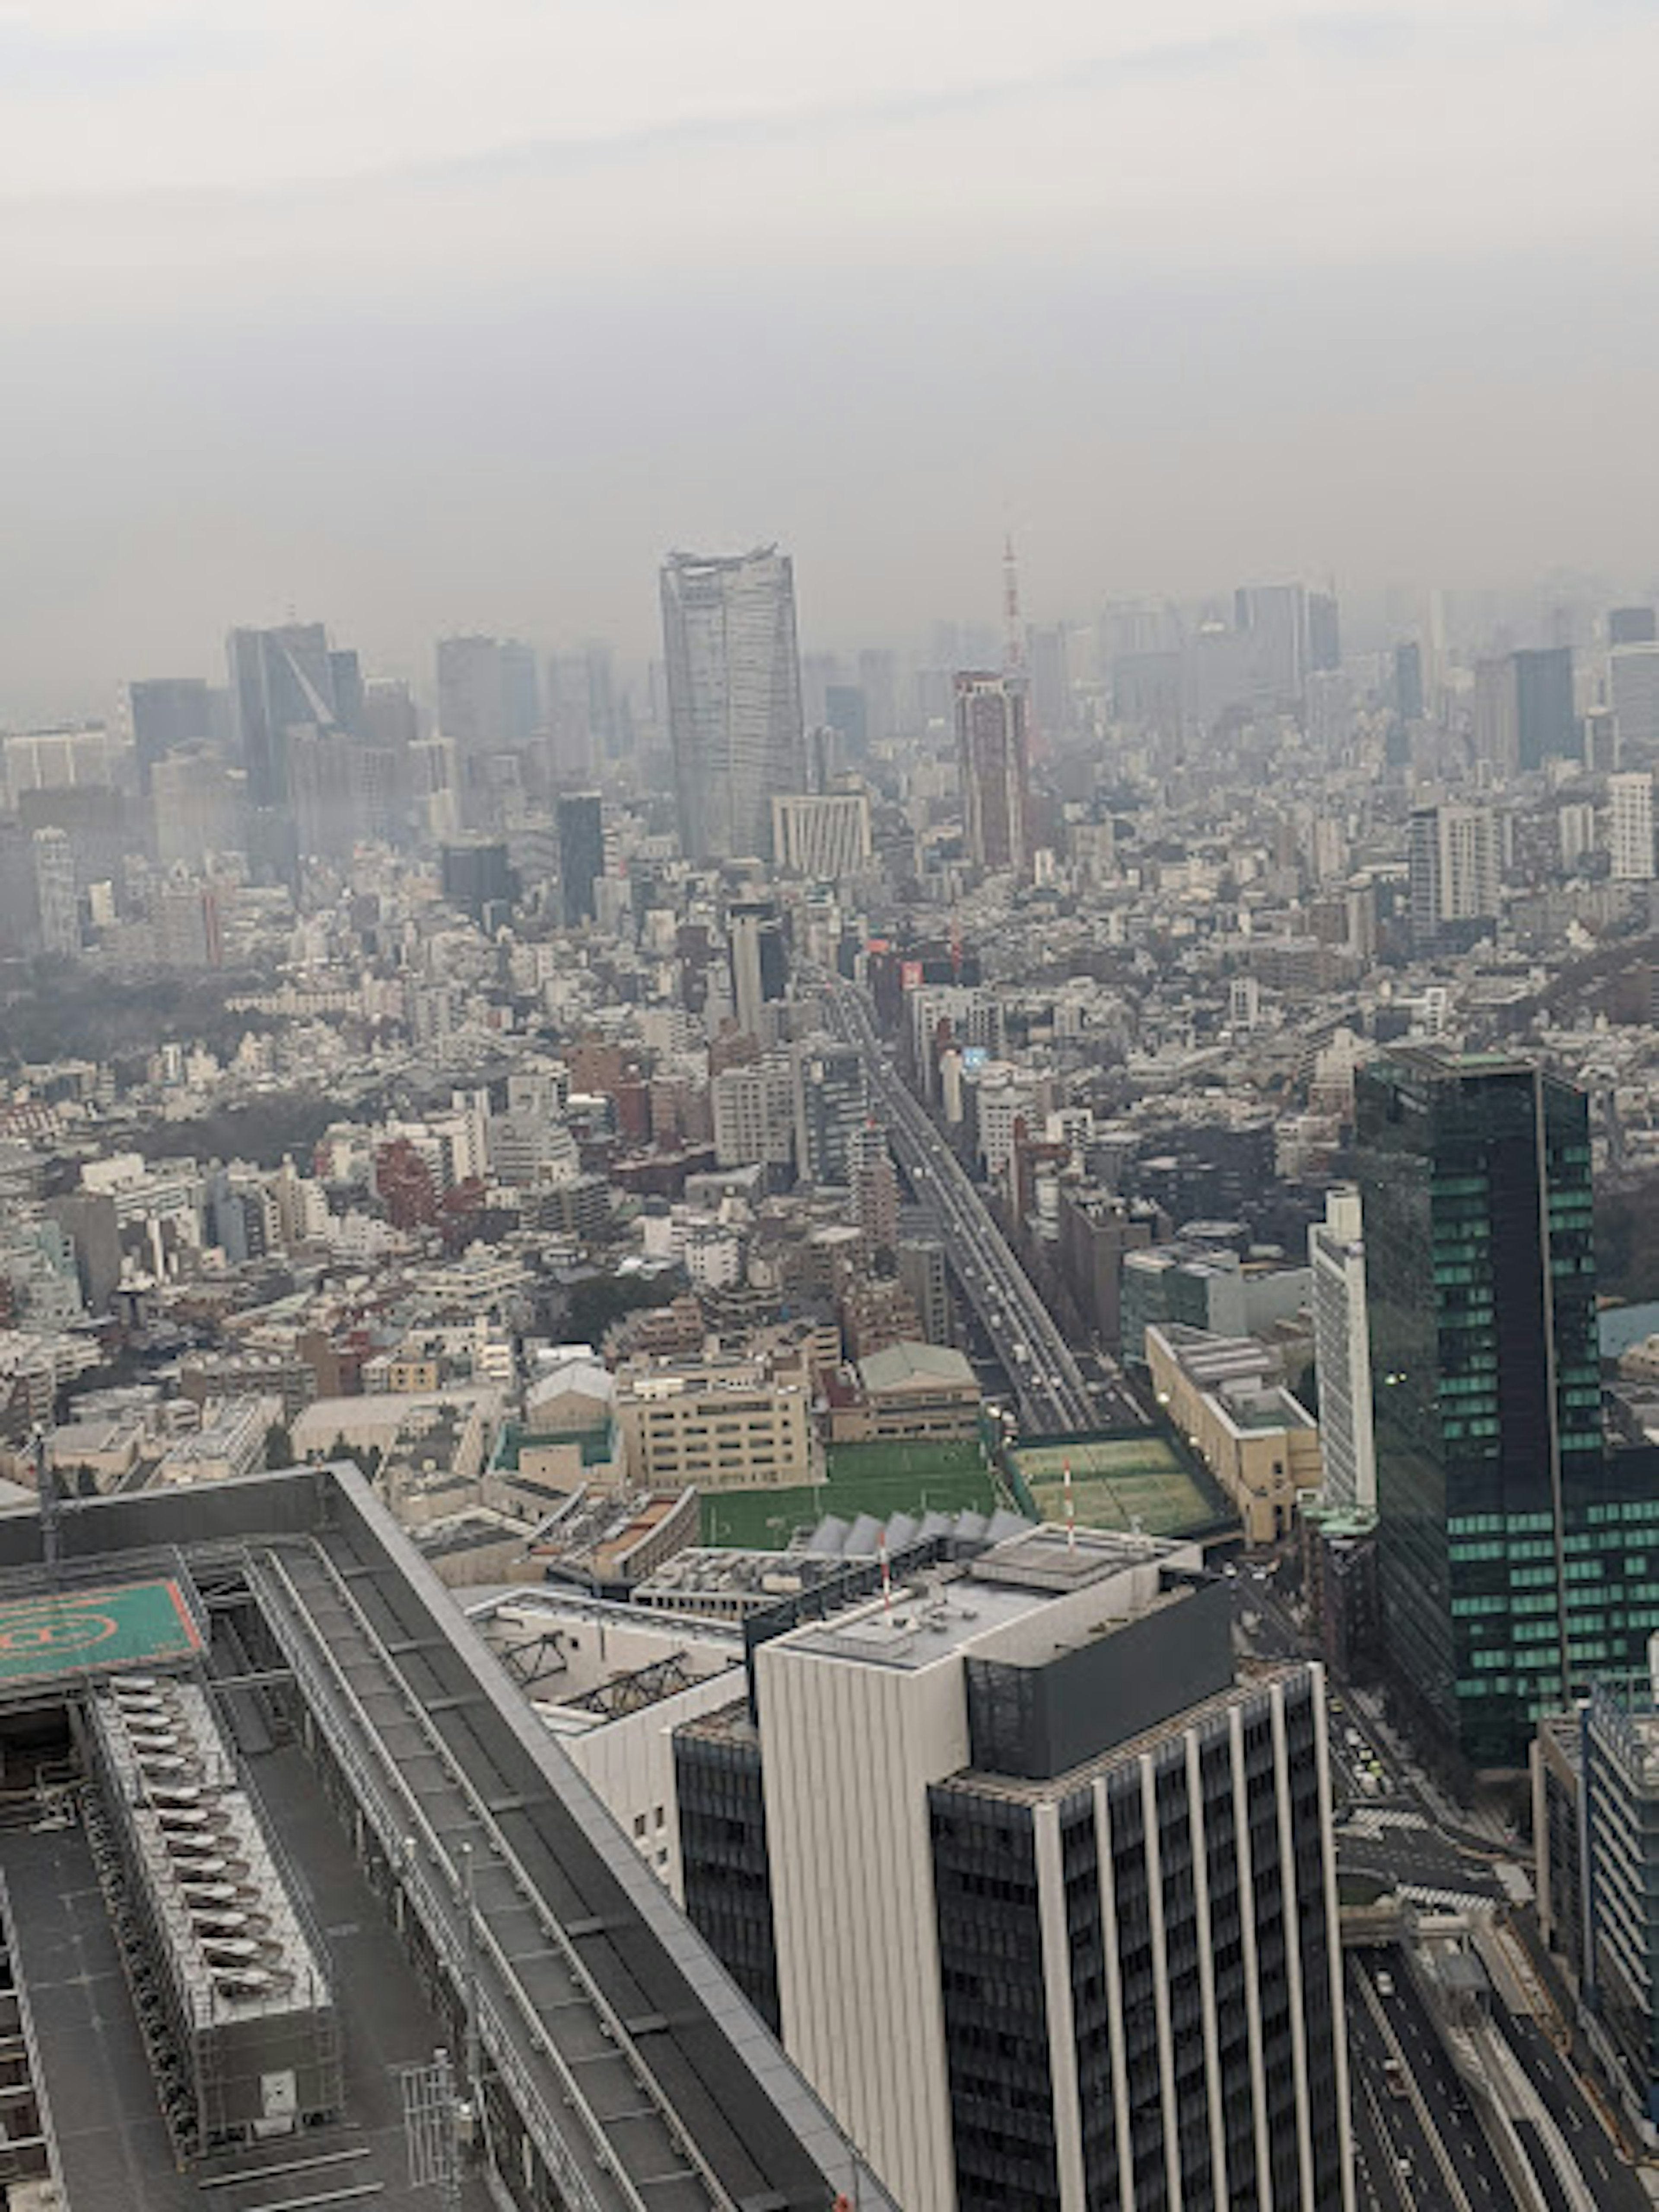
(425, 316)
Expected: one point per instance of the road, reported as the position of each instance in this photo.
(1054, 1395)
(1424, 2148)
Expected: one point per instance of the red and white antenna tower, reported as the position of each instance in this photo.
(1013, 643)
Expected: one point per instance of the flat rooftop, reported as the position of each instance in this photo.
(635, 2069)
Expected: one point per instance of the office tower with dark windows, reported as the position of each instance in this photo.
(475, 876)
(582, 853)
(1408, 694)
(281, 680)
(1505, 1556)
(170, 715)
(992, 759)
(1324, 632)
(734, 697)
(1523, 710)
(1039, 1897)
(1632, 626)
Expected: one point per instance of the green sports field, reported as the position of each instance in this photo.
(880, 1478)
(106, 1629)
(1118, 1482)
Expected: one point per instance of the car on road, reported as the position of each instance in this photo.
(1384, 1982)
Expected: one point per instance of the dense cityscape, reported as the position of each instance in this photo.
(798, 1428)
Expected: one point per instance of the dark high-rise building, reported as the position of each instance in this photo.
(1504, 1545)
(280, 680)
(170, 713)
(844, 710)
(992, 762)
(1633, 626)
(1408, 680)
(582, 853)
(477, 876)
(734, 697)
(1324, 631)
(1549, 729)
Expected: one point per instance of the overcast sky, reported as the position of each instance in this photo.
(425, 316)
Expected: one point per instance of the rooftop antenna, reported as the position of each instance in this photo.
(51, 1504)
(886, 1575)
(1071, 1508)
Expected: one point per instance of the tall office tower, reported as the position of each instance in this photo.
(280, 680)
(832, 1096)
(875, 1186)
(196, 803)
(1455, 855)
(878, 682)
(734, 697)
(581, 852)
(1324, 632)
(476, 876)
(1502, 1568)
(1408, 691)
(1523, 710)
(170, 713)
(760, 966)
(1274, 620)
(56, 902)
(845, 712)
(472, 696)
(994, 767)
(1617, 1863)
(1632, 626)
(521, 692)
(1041, 1898)
(1049, 662)
(1342, 1353)
(1633, 695)
(1631, 825)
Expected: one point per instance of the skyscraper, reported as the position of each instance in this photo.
(734, 697)
(1503, 1562)
(1455, 861)
(760, 966)
(1523, 710)
(170, 713)
(581, 852)
(1631, 830)
(992, 757)
(56, 902)
(280, 680)
(1343, 1354)
(1038, 1896)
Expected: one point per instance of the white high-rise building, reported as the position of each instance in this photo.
(1455, 855)
(1039, 1896)
(1336, 1254)
(733, 696)
(1631, 825)
(55, 898)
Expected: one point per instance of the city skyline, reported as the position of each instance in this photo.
(1209, 352)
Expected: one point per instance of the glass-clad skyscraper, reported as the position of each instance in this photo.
(734, 702)
(1507, 1573)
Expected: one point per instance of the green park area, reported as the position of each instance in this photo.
(880, 1478)
(1118, 1482)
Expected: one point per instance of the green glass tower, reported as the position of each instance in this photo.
(1512, 1568)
